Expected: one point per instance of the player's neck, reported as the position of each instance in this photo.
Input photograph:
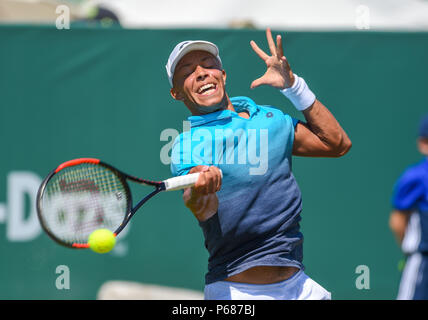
(225, 104)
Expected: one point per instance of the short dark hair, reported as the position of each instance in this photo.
(423, 127)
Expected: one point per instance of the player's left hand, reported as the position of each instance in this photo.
(278, 73)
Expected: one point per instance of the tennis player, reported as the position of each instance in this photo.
(250, 214)
(409, 222)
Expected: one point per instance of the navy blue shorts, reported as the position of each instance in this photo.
(414, 280)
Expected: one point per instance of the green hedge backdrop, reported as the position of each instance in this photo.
(104, 93)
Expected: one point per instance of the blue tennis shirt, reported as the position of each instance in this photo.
(411, 194)
(257, 222)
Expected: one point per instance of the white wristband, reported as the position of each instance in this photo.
(299, 94)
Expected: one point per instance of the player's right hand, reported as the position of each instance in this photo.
(209, 180)
(202, 199)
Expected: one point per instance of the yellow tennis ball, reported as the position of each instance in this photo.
(101, 240)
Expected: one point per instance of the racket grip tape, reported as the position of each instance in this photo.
(182, 182)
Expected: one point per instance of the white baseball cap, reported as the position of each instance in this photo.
(185, 47)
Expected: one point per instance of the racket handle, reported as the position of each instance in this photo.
(182, 182)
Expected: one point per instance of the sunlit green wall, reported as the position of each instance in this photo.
(104, 93)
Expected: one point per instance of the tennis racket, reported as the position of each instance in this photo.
(86, 194)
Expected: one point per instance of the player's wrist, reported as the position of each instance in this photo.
(299, 94)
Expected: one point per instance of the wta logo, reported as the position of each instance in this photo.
(201, 146)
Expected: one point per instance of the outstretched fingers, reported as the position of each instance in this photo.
(280, 50)
(256, 83)
(259, 51)
(270, 41)
(278, 74)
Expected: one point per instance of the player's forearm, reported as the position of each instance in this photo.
(203, 206)
(325, 126)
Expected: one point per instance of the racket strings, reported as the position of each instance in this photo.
(81, 199)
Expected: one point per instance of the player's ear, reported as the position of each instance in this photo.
(224, 76)
(176, 94)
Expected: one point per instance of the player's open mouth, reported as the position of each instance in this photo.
(207, 89)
